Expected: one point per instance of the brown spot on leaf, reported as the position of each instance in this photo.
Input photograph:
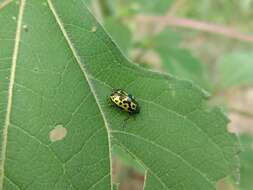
(58, 133)
(93, 29)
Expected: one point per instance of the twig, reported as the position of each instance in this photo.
(197, 25)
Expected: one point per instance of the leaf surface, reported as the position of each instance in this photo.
(246, 162)
(57, 126)
(178, 61)
(120, 33)
(235, 69)
(158, 6)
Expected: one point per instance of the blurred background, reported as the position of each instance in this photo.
(207, 41)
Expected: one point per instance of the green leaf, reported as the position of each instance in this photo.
(235, 69)
(166, 39)
(120, 33)
(148, 6)
(177, 61)
(57, 127)
(246, 162)
(2, 1)
(127, 159)
(115, 187)
(53, 132)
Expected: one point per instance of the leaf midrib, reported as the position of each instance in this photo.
(58, 21)
(211, 182)
(10, 91)
(184, 117)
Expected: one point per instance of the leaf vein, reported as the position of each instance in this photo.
(99, 181)
(10, 92)
(84, 144)
(167, 150)
(76, 56)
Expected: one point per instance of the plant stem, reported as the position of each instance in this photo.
(169, 20)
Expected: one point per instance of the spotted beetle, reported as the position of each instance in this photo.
(125, 101)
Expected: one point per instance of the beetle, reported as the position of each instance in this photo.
(125, 101)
